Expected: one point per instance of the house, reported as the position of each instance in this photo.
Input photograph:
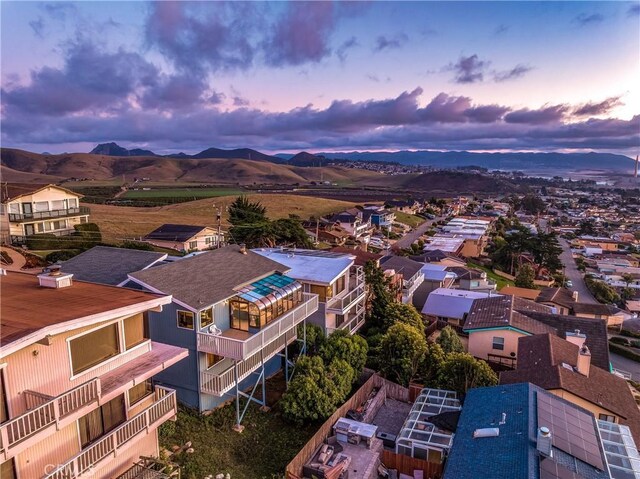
(522, 431)
(334, 277)
(76, 368)
(30, 210)
(472, 279)
(185, 237)
(452, 305)
(435, 277)
(612, 315)
(561, 299)
(353, 221)
(409, 206)
(411, 272)
(439, 257)
(563, 367)
(323, 230)
(495, 325)
(524, 293)
(446, 243)
(111, 266)
(361, 257)
(235, 311)
(379, 216)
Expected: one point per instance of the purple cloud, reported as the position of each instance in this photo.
(546, 114)
(469, 69)
(347, 45)
(601, 108)
(390, 43)
(501, 29)
(176, 93)
(516, 72)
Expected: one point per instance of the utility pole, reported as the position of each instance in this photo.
(219, 220)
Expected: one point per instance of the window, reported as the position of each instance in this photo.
(206, 317)
(58, 205)
(193, 245)
(102, 420)
(8, 469)
(606, 417)
(213, 359)
(84, 219)
(323, 292)
(94, 348)
(4, 413)
(208, 239)
(59, 224)
(72, 202)
(339, 320)
(185, 319)
(498, 343)
(340, 284)
(136, 330)
(41, 206)
(140, 391)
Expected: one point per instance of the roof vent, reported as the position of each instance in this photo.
(486, 432)
(543, 442)
(54, 278)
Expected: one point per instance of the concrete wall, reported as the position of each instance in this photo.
(481, 343)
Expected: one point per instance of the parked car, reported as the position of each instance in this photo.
(569, 283)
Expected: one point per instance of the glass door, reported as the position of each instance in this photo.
(27, 210)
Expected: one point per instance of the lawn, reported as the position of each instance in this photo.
(182, 193)
(121, 222)
(262, 450)
(409, 220)
(500, 281)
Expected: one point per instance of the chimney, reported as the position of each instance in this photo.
(574, 295)
(584, 361)
(576, 338)
(543, 442)
(54, 278)
(243, 248)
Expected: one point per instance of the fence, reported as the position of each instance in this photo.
(406, 465)
(389, 389)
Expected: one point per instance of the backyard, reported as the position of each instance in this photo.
(500, 281)
(409, 220)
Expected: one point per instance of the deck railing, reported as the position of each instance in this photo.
(44, 412)
(342, 304)
(242, 349)
(352, 325)
(43, 215)
(163, 408)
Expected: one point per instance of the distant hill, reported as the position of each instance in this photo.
(113, 149)
(240, 153)
(307, 159)
(495, 161)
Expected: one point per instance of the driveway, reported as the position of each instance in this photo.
(575, 276)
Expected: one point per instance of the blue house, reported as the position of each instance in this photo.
(236, 312)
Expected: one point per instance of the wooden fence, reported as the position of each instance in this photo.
(406, 465)
(387, 388)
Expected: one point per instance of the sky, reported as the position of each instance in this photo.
(321, 76)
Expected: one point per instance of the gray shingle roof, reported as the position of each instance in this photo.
(173, 232)
(408, 267)
(503, 311)
(208, 278)
(105, 265)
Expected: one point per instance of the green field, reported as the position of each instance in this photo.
(182, 193)
(409, 220)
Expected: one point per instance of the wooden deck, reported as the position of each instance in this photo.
(236, 334)
(143, 367)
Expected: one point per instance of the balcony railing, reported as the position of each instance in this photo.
(218, 383)
(242, 349)
(45, 215)
(341, 305)
(164, 407)
(351, 325)
(46, 412)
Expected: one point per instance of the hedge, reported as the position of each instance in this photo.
(625, 352)
(629, 334)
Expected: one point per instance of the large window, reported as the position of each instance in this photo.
(140, 391)
(101, 420)
(213, 359)
(4, 414)
(135, 330)
(341, 284)
(498, 343)
(93, 348)
(206, 317)
(246, 314)
(323, 292)
(607, 417)
(185, 319)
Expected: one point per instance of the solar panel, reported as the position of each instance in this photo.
(552, 470)
(572, 430)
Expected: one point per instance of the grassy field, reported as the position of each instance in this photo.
(182, 193)
(409, 220)
(121, 222)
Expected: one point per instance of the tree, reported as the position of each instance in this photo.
(401, 353)
(314, 336)
(601, 291)
(403, 313)
(243, 211)
(525, 277)
(533, 204)
(461, 372)
(431, 364)
(449, 341)
(587, 227)
(627, 278)
(343, 346)
(379, 294)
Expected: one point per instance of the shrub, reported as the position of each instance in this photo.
(62, 255)
(622, 351)
(128, 244)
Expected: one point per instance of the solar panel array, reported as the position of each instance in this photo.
(572, 430)
(552, 470)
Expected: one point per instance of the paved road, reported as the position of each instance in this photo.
(572, 273)
(411, 236)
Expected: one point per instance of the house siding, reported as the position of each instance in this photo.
(481, 343)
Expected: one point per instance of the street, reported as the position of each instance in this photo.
(575, 276)
(410, 237)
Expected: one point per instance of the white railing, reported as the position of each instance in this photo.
(219, 383)
(622, 374)
(341, 305)
(164, 406)
(352, 325)
(50, 411)
(238, 349)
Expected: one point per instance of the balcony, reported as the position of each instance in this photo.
(239, 346)
(151, 468)
(45, 215)
(410, 287)
(163, 408)
(222, 376)
(46, 413)
(343, 303)
(351, 325)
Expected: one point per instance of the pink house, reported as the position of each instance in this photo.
(75, 375)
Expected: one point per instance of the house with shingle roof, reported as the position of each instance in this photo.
(185, 237)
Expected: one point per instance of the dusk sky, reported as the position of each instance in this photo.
(320, 76)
